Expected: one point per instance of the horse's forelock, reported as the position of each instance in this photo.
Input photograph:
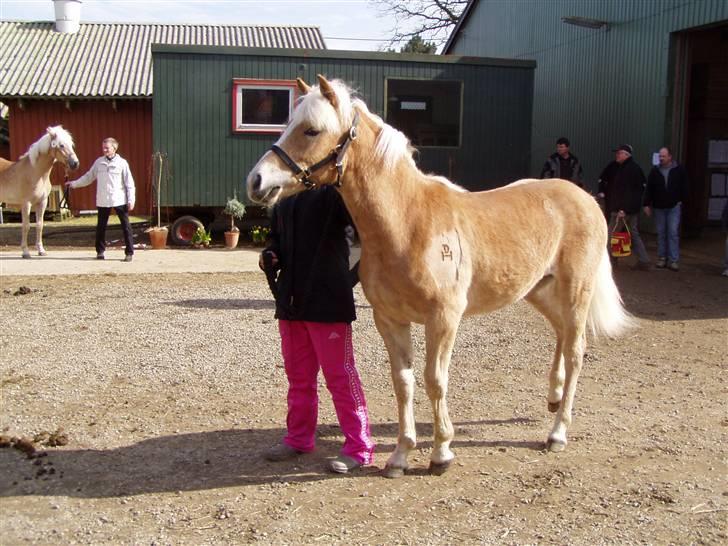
(62, 135)
(315, 110)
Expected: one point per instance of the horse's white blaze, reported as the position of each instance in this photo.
(432, 252)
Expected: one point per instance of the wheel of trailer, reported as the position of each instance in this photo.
(184, 228)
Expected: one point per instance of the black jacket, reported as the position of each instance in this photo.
(665, 195)
(552, 169)
(308, 236)
(623, 186)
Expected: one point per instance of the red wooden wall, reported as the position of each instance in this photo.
(90, 121)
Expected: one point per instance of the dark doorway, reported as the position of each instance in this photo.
(702, 106)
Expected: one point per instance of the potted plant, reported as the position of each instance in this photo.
(158, 234)
(201, 238)
(259, 234)
(235, 210)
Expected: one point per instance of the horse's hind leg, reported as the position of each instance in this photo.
(25, 215)
(556, 378)
(574, 347)
(574, 298)
(398, 340)
(40, 208)
(440, 334)
(543, 298)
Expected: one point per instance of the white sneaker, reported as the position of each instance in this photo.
(725, 272)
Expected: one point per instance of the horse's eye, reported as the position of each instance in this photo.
(311, 132)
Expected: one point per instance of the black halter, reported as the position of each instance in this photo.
(303, 176)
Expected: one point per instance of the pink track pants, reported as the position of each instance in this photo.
(306, 346)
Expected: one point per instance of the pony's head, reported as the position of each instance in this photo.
(56, 142)
(312, 149)
(61, 146)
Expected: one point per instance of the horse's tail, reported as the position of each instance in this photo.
(607, 315)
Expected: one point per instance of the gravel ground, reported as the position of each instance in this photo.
(164, 390)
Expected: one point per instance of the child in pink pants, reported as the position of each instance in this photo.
(306, 346)
(307, 265)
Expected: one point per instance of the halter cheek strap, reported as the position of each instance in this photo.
(303, 175)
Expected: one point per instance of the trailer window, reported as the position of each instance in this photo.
(427, 111)
(262, 106)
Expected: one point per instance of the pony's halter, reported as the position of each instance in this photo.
(303, 176)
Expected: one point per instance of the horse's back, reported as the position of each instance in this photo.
(18, 184)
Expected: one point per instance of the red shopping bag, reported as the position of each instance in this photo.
(620, 242)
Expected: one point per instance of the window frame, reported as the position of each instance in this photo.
(239, 84)
(460, 83)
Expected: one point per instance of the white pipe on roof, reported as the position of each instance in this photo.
(68, 15)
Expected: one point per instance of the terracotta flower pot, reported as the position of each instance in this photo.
(158, 238)
(231, 239)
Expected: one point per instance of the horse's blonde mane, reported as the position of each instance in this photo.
(43, 144)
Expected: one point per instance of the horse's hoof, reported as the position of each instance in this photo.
(393, 472)
(41, 253)
(26, 256)
(555, 446)
(554, 406)
(438, 469)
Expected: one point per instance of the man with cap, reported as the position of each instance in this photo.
(622, 185)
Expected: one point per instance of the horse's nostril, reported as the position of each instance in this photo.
(257, 181)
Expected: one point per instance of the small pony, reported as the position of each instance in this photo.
(26, 183)
(432, 252)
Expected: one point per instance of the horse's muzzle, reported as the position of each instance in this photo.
(73, 164)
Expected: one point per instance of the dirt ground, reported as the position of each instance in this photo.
(164, 390)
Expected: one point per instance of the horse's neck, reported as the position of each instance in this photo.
(382, 204)
(43, 165)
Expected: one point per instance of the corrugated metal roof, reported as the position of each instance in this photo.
(114, 59)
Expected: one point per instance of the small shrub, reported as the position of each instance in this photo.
(234, 209)
(201, 237)
(259, 234)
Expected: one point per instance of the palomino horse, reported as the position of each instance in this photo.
(26, 183)
(432, 252)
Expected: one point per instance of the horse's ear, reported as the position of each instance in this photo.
(303, 87)
(328, 91)
(52, 133)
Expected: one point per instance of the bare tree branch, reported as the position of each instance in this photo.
(431, 19)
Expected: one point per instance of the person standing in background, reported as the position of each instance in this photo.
(563, 164)
(667, 189)
(622, 185)
(114, 189)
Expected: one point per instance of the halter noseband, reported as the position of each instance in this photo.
(303, 176)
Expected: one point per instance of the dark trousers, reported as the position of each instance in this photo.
(123, 213)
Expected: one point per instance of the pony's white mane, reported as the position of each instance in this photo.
(43, 144)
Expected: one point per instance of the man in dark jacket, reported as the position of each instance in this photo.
(308, 248)
(562, 164)
(667, 188)
(621, 185)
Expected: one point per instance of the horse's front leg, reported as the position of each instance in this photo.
(440, 332)
(398, 341)
(25, 216)
(40, 208)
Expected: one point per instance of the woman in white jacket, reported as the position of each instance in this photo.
(114, 189)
